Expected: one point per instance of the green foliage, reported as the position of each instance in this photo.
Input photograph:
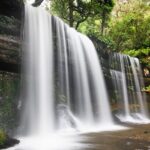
(3, 137)
(142, 54)
(77, 12)
(93, 29)
(131, 30)
(147, 88)
(138, 53)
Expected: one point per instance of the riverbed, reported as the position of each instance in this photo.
(136, 138)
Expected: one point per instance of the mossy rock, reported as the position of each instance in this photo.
(3, 138)
(9, 25)
(6, 141)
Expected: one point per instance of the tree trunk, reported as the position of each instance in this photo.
(71, 20)
(103, 22)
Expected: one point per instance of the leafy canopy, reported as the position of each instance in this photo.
(130, 26)
(75, 12)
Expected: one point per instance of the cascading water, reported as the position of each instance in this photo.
(38, 115)
(127, 79)
(63, 85)
(138, 81)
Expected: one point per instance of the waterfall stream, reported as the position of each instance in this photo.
(63, 80)
(128, 83)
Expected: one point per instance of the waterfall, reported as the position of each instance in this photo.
(138, 80)
(63, 83)
(38, 113)
(128, 83)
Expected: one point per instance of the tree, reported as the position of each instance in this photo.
(130, 28)
(75, 12)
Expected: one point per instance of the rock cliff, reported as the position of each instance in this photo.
(11, 14)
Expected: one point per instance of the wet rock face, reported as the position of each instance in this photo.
(37, 3)
(11, 8)
(9, 25)
(11, 15)
(9, 54)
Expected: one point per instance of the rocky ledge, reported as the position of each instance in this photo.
(9, 143)
(9, 53)
(11, 15)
